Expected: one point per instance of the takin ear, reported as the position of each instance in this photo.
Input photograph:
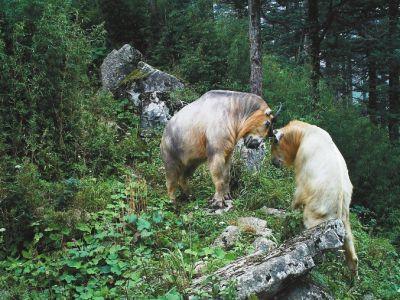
(268, 111)
(277, 136)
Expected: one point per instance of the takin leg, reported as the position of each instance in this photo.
(312, 218)
(227, 177)
(183, 179)
(297, 199)
(219, 168)
(172, 175)
(350, 252)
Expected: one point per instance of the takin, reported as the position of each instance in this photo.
(208, 130)
(323, 186)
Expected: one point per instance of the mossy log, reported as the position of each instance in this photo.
(265, 274)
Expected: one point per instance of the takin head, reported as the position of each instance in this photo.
(285, 143)
(259, 126)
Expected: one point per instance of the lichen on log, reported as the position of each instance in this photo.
(265, 274)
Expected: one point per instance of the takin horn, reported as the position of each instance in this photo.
(273, 120)
(276, 115)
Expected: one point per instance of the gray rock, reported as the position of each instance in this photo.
(267, 273)
(145, 80)
(264, 244)
(199, 268)
(251, 157)
(227, 238)
(254, 225)
(220, 211)
(154, 115)
(117, 65)
(156, 80)
(273, 211)
(135, 98)
(125, 74)
(368, 297)
(303, 291)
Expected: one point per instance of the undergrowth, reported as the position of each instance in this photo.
(138, 247)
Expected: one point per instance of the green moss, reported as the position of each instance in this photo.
(135, 75)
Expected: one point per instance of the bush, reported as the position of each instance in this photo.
(58, 138)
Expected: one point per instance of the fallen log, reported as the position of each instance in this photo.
(265, 274)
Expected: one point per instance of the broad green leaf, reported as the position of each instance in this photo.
(143, 224)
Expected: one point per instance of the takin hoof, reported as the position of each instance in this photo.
(217, 203)
(185, 197)
(228, 197)
(219, 206)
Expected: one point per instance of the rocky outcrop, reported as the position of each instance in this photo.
(252, 157)
(154, 80)
(117, 65)
(227, 238)
(220, 211)
(263, 244)
(266, 273)
(126, 75)
(155, 113)
(254, 225)
(280, 213)
(199, 268)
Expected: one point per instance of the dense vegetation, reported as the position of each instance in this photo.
(83, 208)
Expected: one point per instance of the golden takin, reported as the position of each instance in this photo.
(208, 130)
(323, 186)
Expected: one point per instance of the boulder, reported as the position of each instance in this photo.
(266, 273)
(143, 80)
(263, 244)
(155, 114)
(254, 225)
(251, 157)
(199, 268)
(156, 80)
(126, 75)
(368, 297)
(227, 238)
(219, 211)
(117, 65)
(280, 213)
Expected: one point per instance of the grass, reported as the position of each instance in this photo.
(139, 247)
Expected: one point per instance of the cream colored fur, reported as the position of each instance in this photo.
(323, 186)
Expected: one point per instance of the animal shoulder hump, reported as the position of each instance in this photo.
(232, 94)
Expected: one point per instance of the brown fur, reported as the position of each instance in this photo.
(208, 130)
(290, 142)
(250, 124)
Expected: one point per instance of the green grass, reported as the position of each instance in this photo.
(149, 250)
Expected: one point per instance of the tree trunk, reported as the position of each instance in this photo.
(313, 28)
(255, 47)
(349, 80)
(394, 105)
(372, 98)
(267, 273)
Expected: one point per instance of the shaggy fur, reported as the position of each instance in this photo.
(208, 130)
(323, 186)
